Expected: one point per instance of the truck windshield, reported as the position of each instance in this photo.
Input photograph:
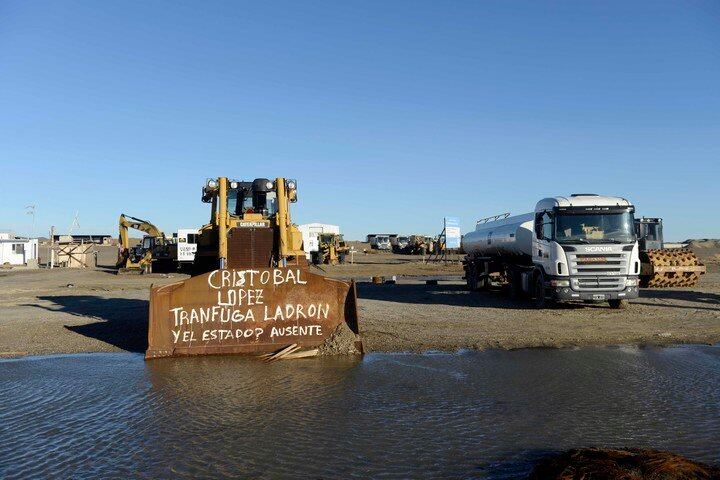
(595, 228)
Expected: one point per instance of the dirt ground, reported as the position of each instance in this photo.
(63, 311)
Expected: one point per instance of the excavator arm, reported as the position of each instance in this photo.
(126, 222)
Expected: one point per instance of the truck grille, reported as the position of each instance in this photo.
(598, 264)
(598, 272)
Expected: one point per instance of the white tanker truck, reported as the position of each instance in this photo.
(581, 247)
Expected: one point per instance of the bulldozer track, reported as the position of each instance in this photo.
(668, 268)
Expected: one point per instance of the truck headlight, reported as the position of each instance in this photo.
(211, 183)
(291, 184)
(233, 184)
(559, 283)
(631, 282)
(269, 185)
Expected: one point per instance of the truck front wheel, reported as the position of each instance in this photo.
(539, 292)
(618, 303)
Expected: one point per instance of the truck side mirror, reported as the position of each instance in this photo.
(538, 226)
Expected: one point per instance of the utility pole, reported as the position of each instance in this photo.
(30, 210)
(51, 248)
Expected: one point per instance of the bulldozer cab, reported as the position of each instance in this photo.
(249, 225)
(255, 199)
(649, 232)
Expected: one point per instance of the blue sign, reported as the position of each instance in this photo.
(452, 232)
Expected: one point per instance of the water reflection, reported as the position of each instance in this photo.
(487, 415)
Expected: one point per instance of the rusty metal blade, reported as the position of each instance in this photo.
(248, 311)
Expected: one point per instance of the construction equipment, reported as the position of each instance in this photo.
(331, 249)
(664, 267)
(418, 245)
(251, 291)
(379, 241)
(581, 247)
(399, 242)
(155, 252)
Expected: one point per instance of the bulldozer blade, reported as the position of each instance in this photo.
(248, 311)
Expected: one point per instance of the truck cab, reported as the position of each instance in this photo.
(383, 242)
(379, 241)
(399, 243)
(585, 248)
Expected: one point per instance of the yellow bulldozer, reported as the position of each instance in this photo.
(154, 253)
(251, 291)
(332, 249)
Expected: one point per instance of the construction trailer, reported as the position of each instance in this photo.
(18, 251)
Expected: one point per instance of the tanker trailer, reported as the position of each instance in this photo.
(577, 248)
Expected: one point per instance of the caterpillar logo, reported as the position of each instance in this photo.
(598, 249)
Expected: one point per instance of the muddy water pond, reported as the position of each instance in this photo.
(467, 415)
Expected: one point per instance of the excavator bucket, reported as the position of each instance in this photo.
(249, 311)
(667, 268)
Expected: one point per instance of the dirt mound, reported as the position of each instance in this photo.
(341, 342)
(622, 464)
(703, 243)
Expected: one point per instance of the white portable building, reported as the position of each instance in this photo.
(17, 250)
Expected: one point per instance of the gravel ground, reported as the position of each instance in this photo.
(64, 311)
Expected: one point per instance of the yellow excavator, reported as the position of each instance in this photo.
(251, 289)
(154, 251)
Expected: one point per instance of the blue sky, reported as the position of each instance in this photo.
(391, 114)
